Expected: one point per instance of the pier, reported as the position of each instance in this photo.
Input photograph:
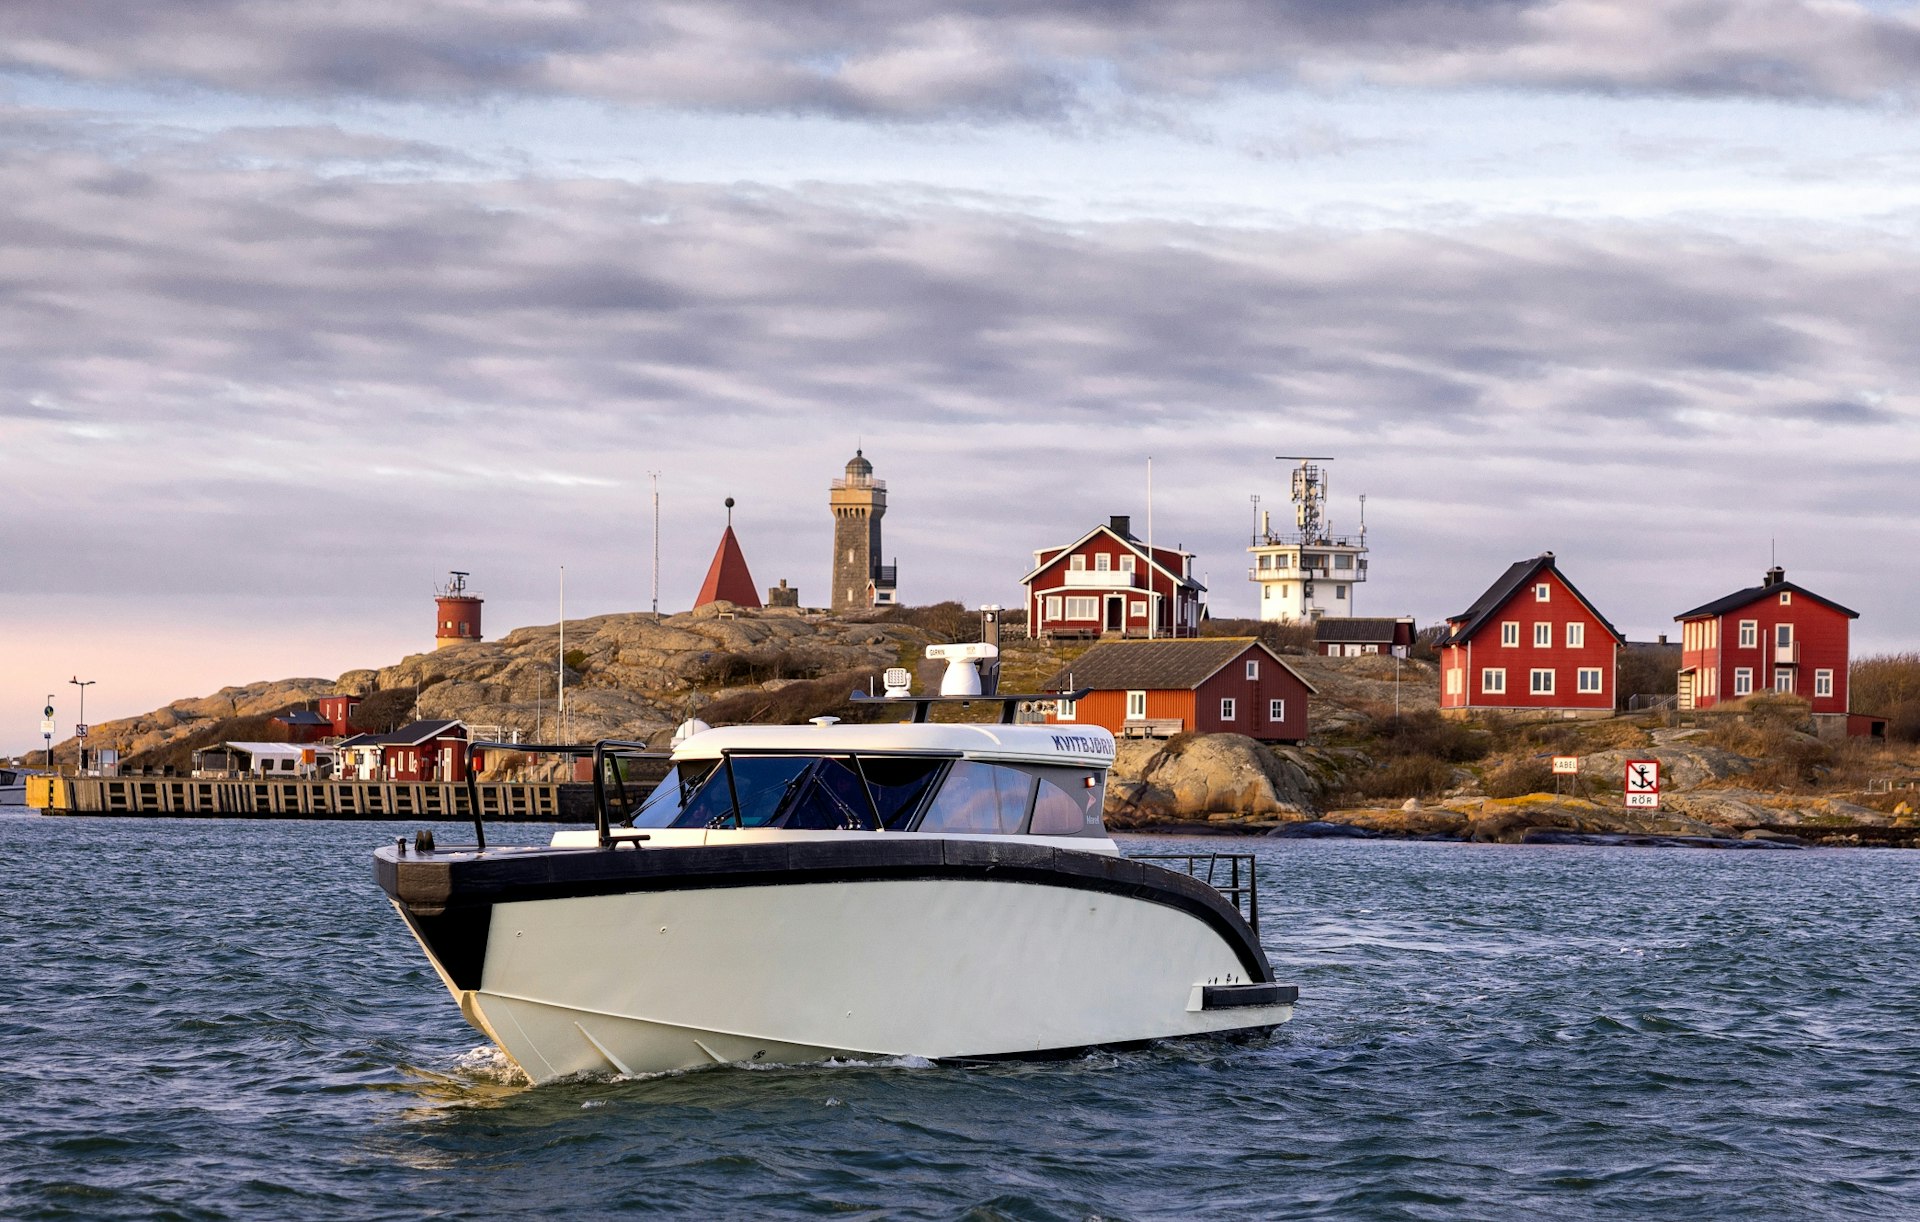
(186, 797)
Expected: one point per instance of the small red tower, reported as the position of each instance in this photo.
(459, 614)
(727, 577)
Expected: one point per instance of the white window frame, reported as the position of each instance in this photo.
(1253, 668)
(1510, 632)
(1103, 563)
(1137, 608)
(1590, 682)
(1749, 634)
(1083, 607)
(1126, 564)
(1052, 606)
(1493, 680)
(1077, 563)
(1823, 683)
(1065, 710)
(1542, 592)
(1743, 680)
(1576, 636)
(1786, 598)
(1783, 679)
(1535, 686)
(1276, 710)
(1456, 681)
(1783, 636)
(1542, 634)
(1227, 708)
(1137, 705)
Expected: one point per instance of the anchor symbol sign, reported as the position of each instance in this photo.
(1643, 783)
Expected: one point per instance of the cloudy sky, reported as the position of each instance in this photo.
(303, 305)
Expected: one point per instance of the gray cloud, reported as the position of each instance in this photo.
(978, 58)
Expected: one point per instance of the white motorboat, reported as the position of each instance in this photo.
(799, 893)
(13, 787)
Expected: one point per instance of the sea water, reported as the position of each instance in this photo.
(224, 1019)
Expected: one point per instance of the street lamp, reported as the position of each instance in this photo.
(46, 730)
(83, 685)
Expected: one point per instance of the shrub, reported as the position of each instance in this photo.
(1413, 776)
(949, 621)
(1517, 778)
(1647, 670)
(575, 660)
(797, 702)
(755, 666)
(1427, 733)
(1889, 686)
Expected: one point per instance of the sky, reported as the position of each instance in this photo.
(302, 306)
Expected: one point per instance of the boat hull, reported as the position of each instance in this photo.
(651, 961)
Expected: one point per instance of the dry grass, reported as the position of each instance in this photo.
(1889, 686)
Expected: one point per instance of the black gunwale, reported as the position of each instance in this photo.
(448, 899)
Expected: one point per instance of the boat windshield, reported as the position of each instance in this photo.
(819, 793)
(669, 797)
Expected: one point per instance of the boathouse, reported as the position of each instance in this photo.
(1532, 643)
(1206, 685)
(1776, 636)
(1110, 582)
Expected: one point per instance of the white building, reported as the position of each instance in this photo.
(1310, 572)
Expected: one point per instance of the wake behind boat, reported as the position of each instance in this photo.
(796, 893)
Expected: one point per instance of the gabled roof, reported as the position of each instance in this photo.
(303, 717)
(406, 736)
(1518, 576)
(1355, 630)
(1160, 665)
(1137, 547)
(1753, 594)
(274, 750)
(727, 577)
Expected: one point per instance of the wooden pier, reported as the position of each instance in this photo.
(191, 798)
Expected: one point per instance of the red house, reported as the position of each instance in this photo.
(1209, 685)
(339, 711)
(1108, 581)
(422, 751)
(1531, 644)
(1775, 636)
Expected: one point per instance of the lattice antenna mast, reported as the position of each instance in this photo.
(1309, 495)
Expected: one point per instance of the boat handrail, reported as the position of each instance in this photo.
(1241, 885)
(1009, 702)
(601, 750)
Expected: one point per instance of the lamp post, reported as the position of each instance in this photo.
(83, 685)
(46, 729)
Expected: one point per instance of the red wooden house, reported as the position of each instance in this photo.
(1108, 581)
(1208, 685)
(339, 711)
(1775, 636)
(1531, 644)
(422, 751)
(1347, 637)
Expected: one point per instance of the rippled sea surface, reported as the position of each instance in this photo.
(225, 1020)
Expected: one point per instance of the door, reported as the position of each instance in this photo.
(1116, 608)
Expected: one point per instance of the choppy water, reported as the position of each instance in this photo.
(225, 1020)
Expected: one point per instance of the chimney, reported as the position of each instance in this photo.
(1775, 576)
(1121, 524)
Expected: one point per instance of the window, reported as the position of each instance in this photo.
(1786, 598)
(1266, 562)
(1060, 808)
(1540, 682)
(1253, 668)
(1493, 680)
(1126, 564)
(1342, 561)
(1276, 710)
(1077, 563)
(1226, 708)
(1103, 563)
(1065, 710)
(1542, 635)
(1749, 633)
(1823, 683)
(761, 782)
(1266, 592)
(1576, 636)
(1742, 680)
(979, 797)
(1053, 606)
(1136, 706)
(1783, 635)
(1339, 592)
(1589, 680)
(1083, 607)
(1542, 592)
(1510, 632)
(1139, 608)
(1286, 590)
(1783, 679)
(1455, 682)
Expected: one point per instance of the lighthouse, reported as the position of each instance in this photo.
(459, 612)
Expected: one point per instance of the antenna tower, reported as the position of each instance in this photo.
(1309, 495)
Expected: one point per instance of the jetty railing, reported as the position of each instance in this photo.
(1231, 874)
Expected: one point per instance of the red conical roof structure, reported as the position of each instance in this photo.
(727, 577)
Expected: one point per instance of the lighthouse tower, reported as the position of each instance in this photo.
(459, 613)
(858, 502)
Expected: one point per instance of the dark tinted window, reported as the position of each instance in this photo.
(762, 783)
(830, 797)
(898, 786)
(669, 797)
